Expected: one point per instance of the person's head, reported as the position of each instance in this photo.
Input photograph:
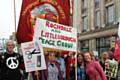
(10, 46)
(88, 56)
(112, 49)
(72, 54)
(51, 56)
(111, 52)
(80, 58)
(105, 55)
(58, 54)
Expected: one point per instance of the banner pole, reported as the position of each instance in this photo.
(14, 14)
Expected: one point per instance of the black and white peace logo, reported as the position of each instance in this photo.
(12, 62)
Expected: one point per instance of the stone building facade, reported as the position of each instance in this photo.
(97, 23)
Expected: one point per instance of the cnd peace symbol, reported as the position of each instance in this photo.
(12, 62)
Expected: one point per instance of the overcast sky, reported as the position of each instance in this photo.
(7, 25)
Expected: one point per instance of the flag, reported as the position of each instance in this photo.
(117, 48)
(53, 10)
(25, 29)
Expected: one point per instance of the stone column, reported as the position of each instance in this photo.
(102, 10)
(92, 45)
(77, 20)
(117, 3)
(91, 14)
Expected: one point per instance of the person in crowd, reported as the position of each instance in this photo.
(70, 66)
(53, 71)
(111, 52)
(94, 70)
(10, 63)
(60, 59)
(0, 65)
(35, 75)
(81, 75)
(104, 60)
(110, 66)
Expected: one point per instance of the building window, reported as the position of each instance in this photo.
(102, 44)
(97, 19)
(85, 23)
(84, 6)
(110, 14)
(84, 45)
(97, 3)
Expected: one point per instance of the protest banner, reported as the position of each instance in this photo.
(54, 35)
(53, 10)
(33, 56)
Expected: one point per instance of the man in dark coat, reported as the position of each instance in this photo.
(10, 63)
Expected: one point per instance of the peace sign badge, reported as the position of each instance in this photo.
(12, 62)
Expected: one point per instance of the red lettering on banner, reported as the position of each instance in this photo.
(57, 26)
(47, 23)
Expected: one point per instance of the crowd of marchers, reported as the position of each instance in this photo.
(90, 67)
(60, 66)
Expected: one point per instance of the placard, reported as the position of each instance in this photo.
(33, 56)
(54, 35)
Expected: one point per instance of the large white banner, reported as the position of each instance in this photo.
(54, 35)
(33, 56)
